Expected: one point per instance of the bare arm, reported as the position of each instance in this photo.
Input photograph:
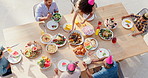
(45, 18)
(137, 33)
(87, 70)
(97, 60)
(76, 13)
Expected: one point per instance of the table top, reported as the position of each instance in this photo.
(126, 46)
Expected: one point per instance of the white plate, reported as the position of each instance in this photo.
(90, 19)
(45, 42)
(93, 48)
(63, 68)
(124, 23)
(100, 52)
(51, 44)
(105, 23)
(14, 60)
(65, 26)
(50, 23)
(103, 37)
(80, 35)
(61, 44)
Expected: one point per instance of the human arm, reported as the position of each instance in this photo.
(135, 34)
(87, 70)
(97, 60)
(90, 15)
(49, 15)
(74, 18)
(56, 73)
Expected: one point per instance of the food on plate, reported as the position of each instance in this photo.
(68, 27)
(64, 64)
(75, 38)
(44, 62)
(88, 30)
(15, 54)
(46, 38)
(51, 48)
(32, 50)
(59, 40)
(54, 26)
(127, 21)
(56, 17)
(90, 43)
(106, 34)
(87, 60)
(79, 50)
(110, 23)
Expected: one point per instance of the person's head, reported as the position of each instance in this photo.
(108, 62)
(71, 68)
(48, 2)
(86, 6)
(1, 51)
(145, 16)
(1, 54)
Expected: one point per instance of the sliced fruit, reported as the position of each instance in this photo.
(15, 53)
(63, 64)
(127, 21)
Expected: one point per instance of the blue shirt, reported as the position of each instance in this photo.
(42, 10)
(107, 73)
(3, 65)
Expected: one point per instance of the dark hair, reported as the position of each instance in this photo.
(85, 7)
(109, 65)
(1, 53)
(144, 17)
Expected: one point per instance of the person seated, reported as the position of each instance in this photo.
(73, 71)
(85, 7)
(108, 70)
(141, 23)
(45, 9)
(5, 68)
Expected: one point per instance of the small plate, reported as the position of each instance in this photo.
(43, 41)
(90, 19)
(65, 26)
(61, 44)
(50, 25)
(110, 26)
(63, 67)
(80, 35)
(130, 24)
(93, 48)
(14, 60)
(51, 44)
(102, 52)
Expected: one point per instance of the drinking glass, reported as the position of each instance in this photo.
(114, 40)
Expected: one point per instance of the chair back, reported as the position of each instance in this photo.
(34, 7)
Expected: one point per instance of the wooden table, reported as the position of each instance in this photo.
(126, 46)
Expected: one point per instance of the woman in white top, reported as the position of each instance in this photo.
(85, 7)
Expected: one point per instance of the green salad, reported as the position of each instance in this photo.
(106, 34)
(56, 17)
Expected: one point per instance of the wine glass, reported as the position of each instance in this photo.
(114, 40)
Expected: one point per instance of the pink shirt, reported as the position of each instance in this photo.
(65, 74)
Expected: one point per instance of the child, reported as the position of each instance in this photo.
(86, 7)
(141, 23)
